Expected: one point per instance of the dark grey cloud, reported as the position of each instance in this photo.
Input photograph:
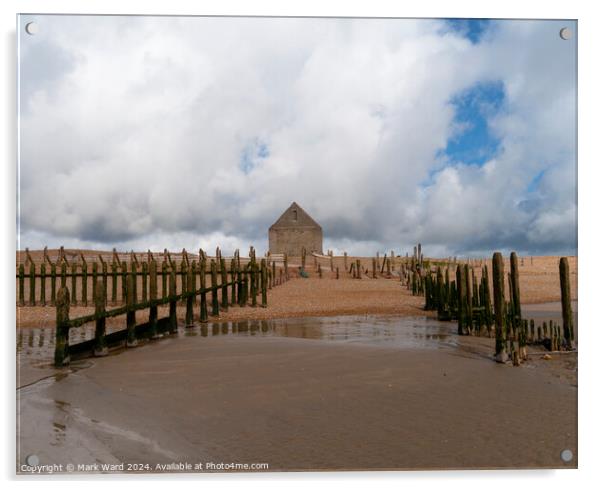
(42, 66)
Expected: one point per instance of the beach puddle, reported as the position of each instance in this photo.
(35, 346)
(391, 331)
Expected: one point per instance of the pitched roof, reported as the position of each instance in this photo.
(287, 219)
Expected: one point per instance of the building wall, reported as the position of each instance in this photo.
(292, 240)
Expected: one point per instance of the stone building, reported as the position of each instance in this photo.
(294, 230)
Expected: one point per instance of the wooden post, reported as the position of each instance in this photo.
(264, 288)
(303, 256)
(233, 300)
(476, 296)
(240, 284)
(100, 347)
(32, 284)
(84, 293)
(214, 298)
(499, 303)
(53, 284)
(522, 339)
(73, 282)
(468, 293)
(517, 318)
(114, 282)
(319, 270)
(345, 260)
(116, 257)
(487, 300)
(460, 287)
(245, 285)
(43, 284)
(441, 306)
(183, 276)
(173, 318)
(105, 278)
(189, 298)
(152, 316)
(202, 271)
(565, 295)
(64, 274)
(131, 314)
(22, 284)
(359, 269)
(124, 281)
(94, 278)
(273, 273)
(253, 283)
(144, 281)
(193, 285)
(374, 265)
(337, 273)
(224, 283)
(164, 274)
(61, 349)
(545, 329)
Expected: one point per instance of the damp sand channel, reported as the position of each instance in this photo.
(332, 393)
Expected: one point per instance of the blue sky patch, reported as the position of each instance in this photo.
(252, 155)
(472, 29)
(534, 184)
(474, 143)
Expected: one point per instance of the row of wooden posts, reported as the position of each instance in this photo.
(469, 301)
(246, 283)
(113, 276)
(354, 269)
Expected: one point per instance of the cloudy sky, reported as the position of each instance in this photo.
(154, 132)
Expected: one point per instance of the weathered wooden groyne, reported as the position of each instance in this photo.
(237, 285)
(468, 300)
(38, 283)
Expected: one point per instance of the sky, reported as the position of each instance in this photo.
(171, 132)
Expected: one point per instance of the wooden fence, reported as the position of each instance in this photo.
(242, 288)
(38, 283)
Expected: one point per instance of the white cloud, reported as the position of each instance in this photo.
(139, 140)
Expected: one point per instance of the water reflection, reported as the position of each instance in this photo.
(38, 343)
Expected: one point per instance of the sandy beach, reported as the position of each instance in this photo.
(306, 404)
(333, 375)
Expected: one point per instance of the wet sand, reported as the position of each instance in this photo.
(302, 394)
